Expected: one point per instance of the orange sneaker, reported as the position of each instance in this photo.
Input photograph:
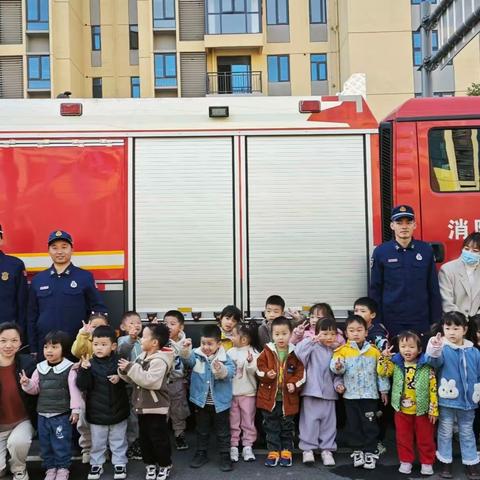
(285, 458)
(272, 459)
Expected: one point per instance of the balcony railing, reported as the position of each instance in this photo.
(234, 83)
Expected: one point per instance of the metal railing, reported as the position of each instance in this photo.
(234, 83)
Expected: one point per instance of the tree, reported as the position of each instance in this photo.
(474, 90)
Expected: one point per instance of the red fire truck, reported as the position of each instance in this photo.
(199, 203)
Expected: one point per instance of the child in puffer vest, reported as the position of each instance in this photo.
(58, 407)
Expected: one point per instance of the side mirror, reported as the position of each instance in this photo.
(438, 251)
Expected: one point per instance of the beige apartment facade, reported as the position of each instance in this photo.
(170, 48)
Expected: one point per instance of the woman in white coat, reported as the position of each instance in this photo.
(460, 279)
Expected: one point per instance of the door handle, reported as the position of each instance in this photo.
(438, 251)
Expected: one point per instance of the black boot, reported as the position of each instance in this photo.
(226, 464)
(199, 460)
(473, 472)
(446, 471)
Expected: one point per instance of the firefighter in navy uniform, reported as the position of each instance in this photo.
(13, 289)
(404, 280)
(61, 296)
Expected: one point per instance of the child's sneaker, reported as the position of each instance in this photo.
(199, 459)
(426, 469)
(308, 457)
(95, 472)
(234, 454)
(150, 472)
(327, 458)
(85, 456)
(285, 458)
(180, 443)
(226, 464)
(119, 472)
(272, 459)
(358, 460)
(134, 452)
(247, 454)
(50, 474)
(370, 461)
(22, 475)
(381, 448)
(163, 472)
(62, 474)
(405, 468)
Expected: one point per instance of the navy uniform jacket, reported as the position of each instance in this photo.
(404, 283)
(13, 290)
(60, 302)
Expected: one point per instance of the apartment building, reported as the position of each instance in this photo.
(189, 48)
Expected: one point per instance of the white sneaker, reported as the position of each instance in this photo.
(358, 460)
(248, 455)
(426, 469)
(327, 458)
(234, 454)
(370, 461)
(405, 468)
(150, 472)
(23, 475)
(163, 472)
(308, 457)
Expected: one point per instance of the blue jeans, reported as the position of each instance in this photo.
(468, 446)
(55, 435)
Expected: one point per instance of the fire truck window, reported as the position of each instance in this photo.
(454, 159)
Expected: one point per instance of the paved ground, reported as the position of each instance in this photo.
(386, 468)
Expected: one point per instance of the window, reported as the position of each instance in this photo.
(165, 70)
(418, 2)
(278, 68)
(39, 72)
(96, 38)
(233, 16)
(163, 13)
(277, 12)
(135, 87)
(454, 159)
(417, 46)
(37, 14)
(97, 87)
(318, 11)
(318, 66)
(133, 37)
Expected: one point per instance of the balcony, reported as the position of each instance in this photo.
(234, 83)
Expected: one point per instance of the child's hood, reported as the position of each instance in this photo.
(466, 344)
(44, 367)
(397, 359)
(354, 346)
(166, 354)
(271, 346)
(220, 354)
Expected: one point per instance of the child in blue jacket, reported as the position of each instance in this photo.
(457, 362)
(211, 392)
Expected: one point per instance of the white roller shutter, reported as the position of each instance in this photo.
(183, 224)
(307, 220)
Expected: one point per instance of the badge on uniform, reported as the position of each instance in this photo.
(73, 284)
(58, 233)
(4, 276)
(419, 257)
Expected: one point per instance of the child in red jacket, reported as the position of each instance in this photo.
(281, 376)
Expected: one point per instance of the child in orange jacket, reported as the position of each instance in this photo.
(281, 375)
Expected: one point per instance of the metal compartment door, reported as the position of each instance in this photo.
(307, 220)
(183, 221)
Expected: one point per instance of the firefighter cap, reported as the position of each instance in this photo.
(402, 211)
(60, 235)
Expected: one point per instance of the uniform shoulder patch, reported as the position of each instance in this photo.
(5, 276)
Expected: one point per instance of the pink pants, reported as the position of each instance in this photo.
(242, 420)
